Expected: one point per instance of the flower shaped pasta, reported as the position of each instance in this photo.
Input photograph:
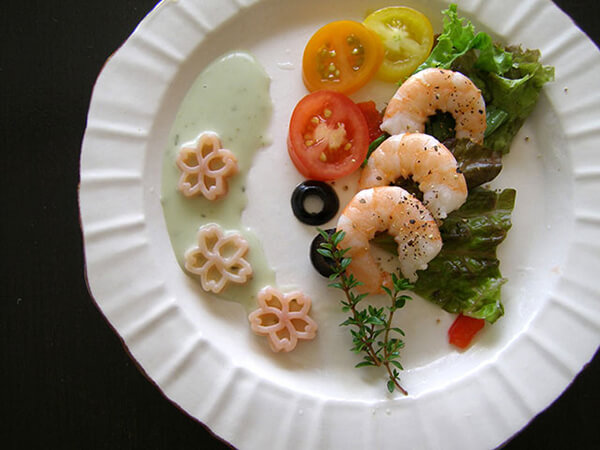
(283, 318)
(218, 259)
(205, 167)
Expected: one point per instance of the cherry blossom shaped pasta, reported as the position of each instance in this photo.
(205, 166)
(218, 259)
(283, 318)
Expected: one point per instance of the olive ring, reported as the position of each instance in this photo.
(324, 265)
(312, 188)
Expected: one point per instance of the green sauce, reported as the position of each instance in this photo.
(231, 98)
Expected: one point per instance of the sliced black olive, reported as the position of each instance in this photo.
(322, 264)
(320, 190)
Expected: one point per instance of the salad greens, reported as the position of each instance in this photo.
(458, 38)
(516, 93)
(441, 126)
(465, 276)
(509, 78)
(479, 164)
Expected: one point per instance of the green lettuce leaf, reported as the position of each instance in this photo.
(516, 92)
(479, 164)
(494, 118)
(458, 38)
(465, 276)
(441, 126)
(510, 78)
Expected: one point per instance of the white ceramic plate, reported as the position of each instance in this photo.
(200, 351)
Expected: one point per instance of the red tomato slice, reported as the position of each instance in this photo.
(373, 118)
(328, 136)
(463, 330)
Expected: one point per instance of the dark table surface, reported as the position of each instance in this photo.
(66, 379)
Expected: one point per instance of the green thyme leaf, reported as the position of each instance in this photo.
(391, 386)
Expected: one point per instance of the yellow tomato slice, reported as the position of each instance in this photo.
(407, 38)
(341, 56)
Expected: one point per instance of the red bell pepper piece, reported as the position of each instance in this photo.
(463, 330)
(373, 118)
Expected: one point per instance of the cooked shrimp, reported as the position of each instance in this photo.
(434, 90)
(427, 161)
(391, 209)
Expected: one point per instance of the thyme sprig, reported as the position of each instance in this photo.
(371, 328)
